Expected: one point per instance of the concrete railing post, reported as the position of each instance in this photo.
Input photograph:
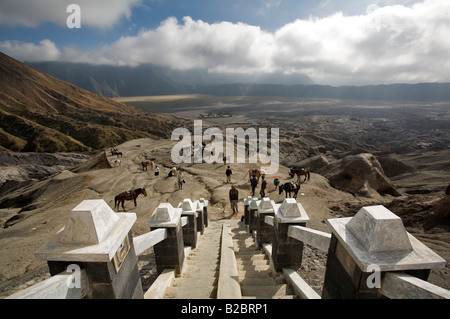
(170, 252)
(264, 232)
(205, 210)
(190, 230)
(198, 206)
(99, 241)
(247, 202)
(365, 247)
(286, 251)
(253, 215)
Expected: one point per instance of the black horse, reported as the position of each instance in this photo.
(289, 188)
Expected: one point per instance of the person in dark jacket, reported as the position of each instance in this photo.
(254, 184)
(228, 172)
(234, 197)
(263, 187)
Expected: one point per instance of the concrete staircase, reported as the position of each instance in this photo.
(256, 278)
(199, 279)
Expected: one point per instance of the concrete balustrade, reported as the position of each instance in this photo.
(190, 231)
(253, 215)
(370, 255)
(98, 240)
(287, 252)
(364, 248)
(205, 202)
(264, 232)
(198, 206)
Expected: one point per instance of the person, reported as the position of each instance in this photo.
(234, 197)
(157, 171)
(180, 180)
(276, 182)
(263, 187)
(254, 184)
(228, 173)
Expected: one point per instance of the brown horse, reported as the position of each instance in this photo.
(146, 164)
(288, 188)
(299, 172)
(128, 195)
(252, 172)
(116, 153)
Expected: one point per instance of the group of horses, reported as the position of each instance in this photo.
(290, 188)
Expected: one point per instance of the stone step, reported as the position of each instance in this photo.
(257, 256)
(189, 293)
(259, 281)
(253, 273)
(253, 267)
(249, 263)
(194, 282)
(270, 291)
(203, 256)
(200, 273)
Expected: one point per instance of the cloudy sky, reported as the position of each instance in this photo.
(337, 42)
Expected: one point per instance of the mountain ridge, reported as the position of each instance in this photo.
(40, 113)
(145, 80)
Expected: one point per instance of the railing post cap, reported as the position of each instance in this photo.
(377, 229)
(266, 205)
(376, 236)
(204, 201)
(187, 205)
(254, 203)
(165, 215)
(248, 200)
(291, 211)
(198, 205)
(93, 232)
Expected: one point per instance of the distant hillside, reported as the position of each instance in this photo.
(39, 113)
(117, 81)
(121, 81)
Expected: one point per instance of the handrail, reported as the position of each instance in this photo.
(148, 240)
(404, 286)
(312, 237)
(56, 287)
(228, 286)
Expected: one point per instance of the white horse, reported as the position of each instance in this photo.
(115, 163)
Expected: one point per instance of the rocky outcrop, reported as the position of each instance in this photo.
(20, 169)
(363, 175)
(440, 216)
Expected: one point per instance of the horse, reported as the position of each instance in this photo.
(299, 172)
(252, 172)
(128, 195)
(116, 153)
(288, 188)
(115, 163)
(147, 163)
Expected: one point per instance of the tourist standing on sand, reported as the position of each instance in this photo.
(157, 171)
(263, 187)
(253, 183)
(234, 197)
(180, 180)
(228, 172)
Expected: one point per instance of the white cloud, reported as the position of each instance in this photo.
(387, 45)
(46, 50)
(99, 13)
